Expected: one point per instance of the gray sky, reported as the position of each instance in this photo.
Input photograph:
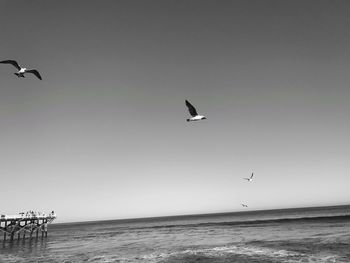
(104, 135)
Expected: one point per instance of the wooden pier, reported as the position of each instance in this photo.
(30, 223)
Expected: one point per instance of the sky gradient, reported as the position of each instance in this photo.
(104, 134)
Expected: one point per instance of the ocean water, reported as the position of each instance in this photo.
(293, 235)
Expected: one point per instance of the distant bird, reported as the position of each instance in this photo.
(193, 112)
(250, 178)
(244, 205)
(21, 71)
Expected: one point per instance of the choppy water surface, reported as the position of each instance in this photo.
(294, 235)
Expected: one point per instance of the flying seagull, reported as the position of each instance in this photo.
(250, 178)
(193, 112)
(21, 71)
(244, 205)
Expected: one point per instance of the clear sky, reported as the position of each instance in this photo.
(104, 134)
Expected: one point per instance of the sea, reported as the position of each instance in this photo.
(318, 234)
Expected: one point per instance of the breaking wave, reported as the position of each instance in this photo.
(338, 218)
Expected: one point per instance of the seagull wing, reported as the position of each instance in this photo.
(12, 62)
(35, 72)
(252, 176)
(191, 109)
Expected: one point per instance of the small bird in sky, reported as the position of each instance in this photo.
(193, 112)
(250, 178)
(244, 205)
(21, 71)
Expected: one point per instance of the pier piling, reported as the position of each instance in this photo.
(5, 228)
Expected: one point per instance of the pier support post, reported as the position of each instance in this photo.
(19, 233)
(12, 228)
(44, 227)
(31, 228)
(25, 229)
(5, 230)
(37, 229)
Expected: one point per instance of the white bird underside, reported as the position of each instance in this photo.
(196, 118)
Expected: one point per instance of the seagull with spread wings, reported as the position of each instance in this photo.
(21, 71)
(244, 205)
(193, 112)
(250, 178)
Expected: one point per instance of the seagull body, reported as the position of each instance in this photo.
(244, 205)
(250, 178)
(197, 118)
(21, 71)
(193, 112)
